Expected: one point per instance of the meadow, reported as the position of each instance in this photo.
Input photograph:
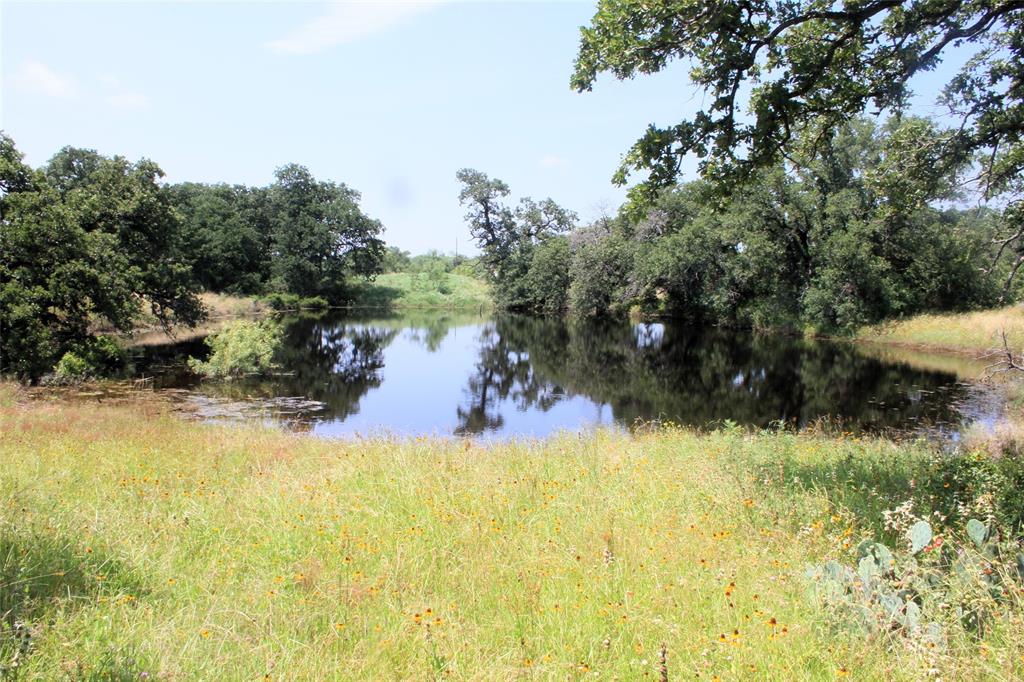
(423, 290)
(136, 544)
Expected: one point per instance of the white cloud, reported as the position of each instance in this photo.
(38, 77)
(128, 100)
(346, 23)
(552, 161)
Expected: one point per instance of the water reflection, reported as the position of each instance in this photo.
(512, 375)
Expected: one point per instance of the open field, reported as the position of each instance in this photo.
(976, 333)
(421, 290)
(134, 542)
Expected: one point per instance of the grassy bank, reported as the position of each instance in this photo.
(221, 310)
(132, 541)
(423, 290)
(973, 333)
(391, 291)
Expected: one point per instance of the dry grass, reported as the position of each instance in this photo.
(222, 309)
(1005, 438)
(226, 305)
(975, 333)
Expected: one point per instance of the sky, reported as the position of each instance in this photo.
(391, 98)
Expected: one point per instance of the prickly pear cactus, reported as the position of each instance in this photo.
(889, 592)
(920, 536)
(978, 532)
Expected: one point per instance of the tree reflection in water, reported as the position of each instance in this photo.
(693, 377)
(520, 375)
(504, 373)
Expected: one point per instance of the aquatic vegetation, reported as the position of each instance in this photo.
(173, 549)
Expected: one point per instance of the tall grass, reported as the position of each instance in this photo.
(134, 542)
(225, 305)
(976, 332)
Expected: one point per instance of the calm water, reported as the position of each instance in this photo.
(439, 373)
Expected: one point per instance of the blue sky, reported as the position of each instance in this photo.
(389, 98)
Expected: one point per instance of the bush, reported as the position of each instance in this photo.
(94, 357)
(242, 348)
(279, 301)
(72, 366)
(314, 303)
(468, 268)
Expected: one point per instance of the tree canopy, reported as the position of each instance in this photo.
(812, 63)
(83, 239)
(227, 235)
(852, 231)
(320, 235)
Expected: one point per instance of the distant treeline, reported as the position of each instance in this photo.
(871, 225)
(430, 263)
(88, 240)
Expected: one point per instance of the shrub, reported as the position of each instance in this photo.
(72, 366)
(94, 357)
(314, 303)
(468, 268)
(279, 301)
(245, 347)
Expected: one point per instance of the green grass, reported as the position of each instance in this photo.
(132, 541)
(975, 333)
(422, 290)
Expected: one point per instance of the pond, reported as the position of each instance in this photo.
(438, 373)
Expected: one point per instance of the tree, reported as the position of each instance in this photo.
(843, 240)
(509, 238)
(123, 203)
(600, 268)
(395, 260)
(226, 235)
(491, 223)
(321, 236)
(546, 284)
(85, 241)
(807, 63)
